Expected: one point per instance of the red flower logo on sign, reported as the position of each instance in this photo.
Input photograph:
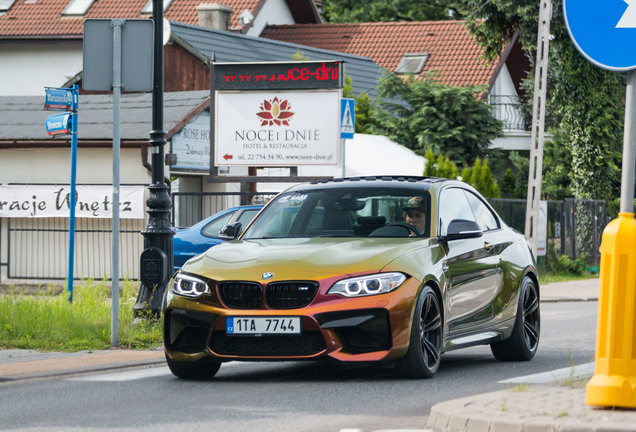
(275, 112)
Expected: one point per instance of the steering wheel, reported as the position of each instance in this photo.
(407, 226)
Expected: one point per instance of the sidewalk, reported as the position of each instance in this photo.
(27, 364)
(535, 408)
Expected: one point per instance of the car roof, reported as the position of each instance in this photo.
(414, 182)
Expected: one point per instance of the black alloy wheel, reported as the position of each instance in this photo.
(425, 347)
(523, 342)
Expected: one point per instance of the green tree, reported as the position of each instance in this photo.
(522, 166)
(480, 177)
(585, 102)
(557, 158)
(427, 114)
(345, 11)
(508, 184)
(440, 166)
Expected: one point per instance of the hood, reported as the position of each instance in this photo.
(300, 258)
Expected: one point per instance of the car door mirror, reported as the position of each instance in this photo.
(231, 231)
(462, 229)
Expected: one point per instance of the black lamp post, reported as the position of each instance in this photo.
(156, 260)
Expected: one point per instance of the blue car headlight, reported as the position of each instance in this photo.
(368, 285)
(189, 286)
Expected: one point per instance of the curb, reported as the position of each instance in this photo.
(56, 365)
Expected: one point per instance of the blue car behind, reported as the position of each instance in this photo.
(189, 242)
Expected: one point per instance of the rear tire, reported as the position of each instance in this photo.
(202, 369)
(423, 356)
(523, 342)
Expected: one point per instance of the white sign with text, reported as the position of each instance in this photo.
(277, 128)
(192, 144)
(32, 201)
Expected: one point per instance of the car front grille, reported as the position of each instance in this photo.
(241, 295)
(306, 344)
(278, 295)
(289, 295)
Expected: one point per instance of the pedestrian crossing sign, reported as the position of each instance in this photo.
(347, 118)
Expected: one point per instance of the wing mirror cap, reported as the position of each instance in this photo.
(462, 229)
(231, 231)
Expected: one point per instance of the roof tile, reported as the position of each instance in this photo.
(453, 50)
(43, 18)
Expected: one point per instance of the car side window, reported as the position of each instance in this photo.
(214, 227)
(453, 204)
(484, 217)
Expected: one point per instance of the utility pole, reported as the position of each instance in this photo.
(538, 125)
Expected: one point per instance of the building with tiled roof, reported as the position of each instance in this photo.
(41, 40)
(65, 18)
(445, 48)
(419, 47)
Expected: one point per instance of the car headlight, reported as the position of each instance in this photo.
(368, 285)
(189, 286)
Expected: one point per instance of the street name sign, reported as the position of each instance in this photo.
(603, 31)
(59, 124)
(59, 99)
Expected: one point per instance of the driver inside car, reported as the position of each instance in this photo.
(414, 214)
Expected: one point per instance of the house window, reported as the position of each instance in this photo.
(78, 7)
(412, 63)
(148, 8)
(5, 5)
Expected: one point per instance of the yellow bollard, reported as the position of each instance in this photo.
(614, 380)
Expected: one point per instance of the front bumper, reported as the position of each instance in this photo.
(373, 328)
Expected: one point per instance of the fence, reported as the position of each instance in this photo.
(38, 248)
(189, 208)
(574, 227)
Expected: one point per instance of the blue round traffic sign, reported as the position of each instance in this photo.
(604, 31)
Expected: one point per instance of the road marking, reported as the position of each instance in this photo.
(554, 376)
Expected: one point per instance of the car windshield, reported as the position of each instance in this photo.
(341, 212)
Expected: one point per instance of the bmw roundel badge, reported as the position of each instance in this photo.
(267, 275)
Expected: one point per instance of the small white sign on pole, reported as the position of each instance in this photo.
(542, 230)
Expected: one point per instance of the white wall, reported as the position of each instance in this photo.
(273, 12)
(27, 68)
(53, 166)
(504, 85)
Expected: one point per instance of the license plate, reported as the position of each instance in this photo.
(262, 325)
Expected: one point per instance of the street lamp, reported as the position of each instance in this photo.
(156, 260)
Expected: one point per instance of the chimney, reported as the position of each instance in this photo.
(214, 15)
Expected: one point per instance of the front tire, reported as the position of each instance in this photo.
(423, 356)
(202, 369)
(523, 342)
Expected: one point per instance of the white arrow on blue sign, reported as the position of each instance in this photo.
(603, 31)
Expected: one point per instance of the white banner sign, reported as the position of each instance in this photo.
(28, 201)
(277, 128)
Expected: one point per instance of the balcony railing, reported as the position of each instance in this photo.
(509, 109)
